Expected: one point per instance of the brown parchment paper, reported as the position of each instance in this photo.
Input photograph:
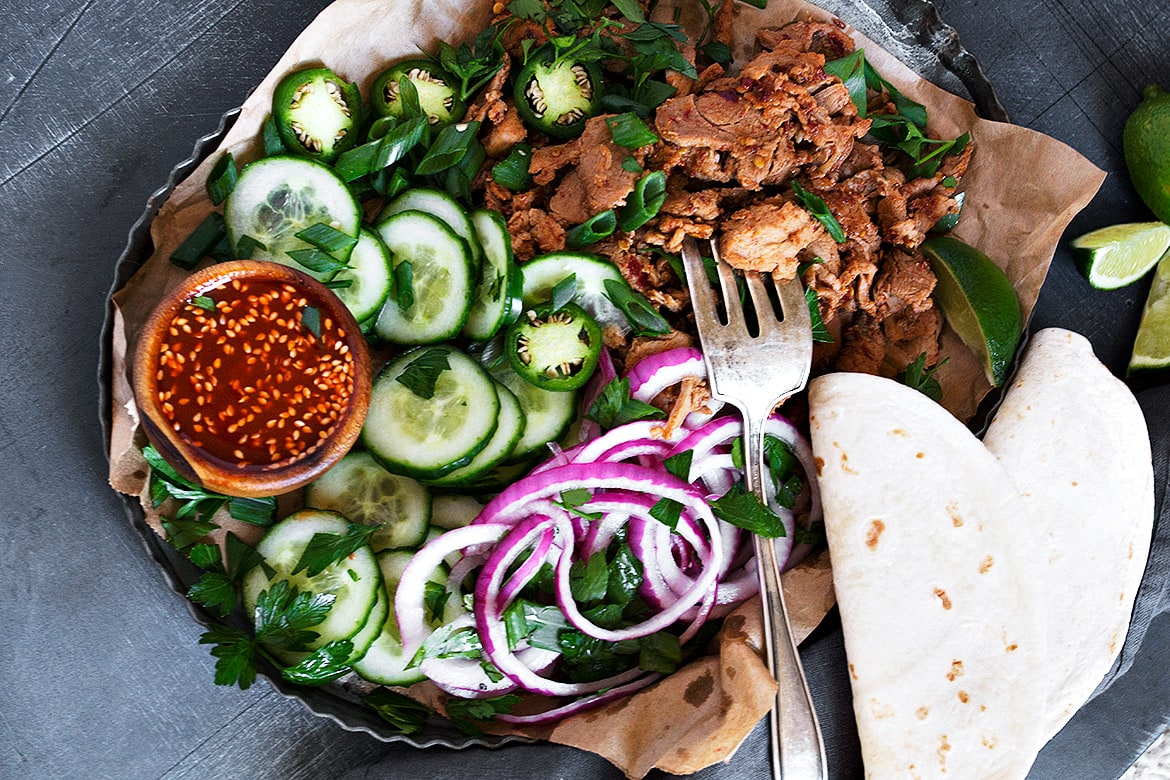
(1022, 189)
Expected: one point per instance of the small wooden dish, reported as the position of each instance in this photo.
(252, 378)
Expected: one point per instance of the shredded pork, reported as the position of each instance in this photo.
(731, 147)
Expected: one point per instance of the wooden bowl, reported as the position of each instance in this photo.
(252, 378)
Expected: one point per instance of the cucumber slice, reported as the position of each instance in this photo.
(384, 662)
(509, 429)
(354, 581)
(498, 293)
(441, 279)
(547, 413)
(364, 492)
(438, 204)
(449, 512)
(277, 197)
(542, 274)
(428, 438)
(368, 274)
(372, 628)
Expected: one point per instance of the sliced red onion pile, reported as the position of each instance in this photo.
(696, 571)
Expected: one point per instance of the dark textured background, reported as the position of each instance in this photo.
(101, 675)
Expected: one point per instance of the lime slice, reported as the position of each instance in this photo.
(1151, 348)
(1118, 255)
(978, 301)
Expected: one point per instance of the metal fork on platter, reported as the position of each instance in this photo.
(755, 373)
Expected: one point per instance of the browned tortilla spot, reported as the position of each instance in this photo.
(985, 567)
(845, 464)
(953, 513)
(898, 432)
(943, 597)
(943, 748)
(1074, 484)
(963, 697)
(988, 743)
(875, 532)
(920, 455)
(922, 712)
(1013, 647)
(819, 462)
(956, 670)
(699, 690)
(852, 672)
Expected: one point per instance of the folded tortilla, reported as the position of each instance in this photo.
(943, 630)
(1074, 440)
(985, 588)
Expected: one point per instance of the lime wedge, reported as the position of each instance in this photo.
(978, 301)
(1118, 255)
(1151, 348)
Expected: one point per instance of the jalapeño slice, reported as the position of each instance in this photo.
(316, 113)
(436, 96)
(554, 350)
(557, 96)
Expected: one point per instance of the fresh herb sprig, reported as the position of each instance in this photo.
(905, 129)
(195, 508)
(284, 618)
(473, 65)
(921, 378)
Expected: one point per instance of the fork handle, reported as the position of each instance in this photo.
(798, 749)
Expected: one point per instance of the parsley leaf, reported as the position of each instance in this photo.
(625, 576)
(614, 407)
(921, 378)
(630, 131)
(235, 655)
(467, 714)
(820, 333)
(324, 549)
(435, 600)
(680, 464)
(589, 580)
(512, 171)
(403, 713)
(421, 374)
(475, 65)
(667, 511)
(743, 510)
(323, 665)
(215, 590)
(284, 615)
(660, 652)
(817, 207)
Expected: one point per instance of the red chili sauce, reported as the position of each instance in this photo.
(252, 373)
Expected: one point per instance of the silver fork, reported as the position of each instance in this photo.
(755, 374)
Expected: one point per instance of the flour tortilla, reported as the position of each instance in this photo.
(943, 629)
(1074, 440)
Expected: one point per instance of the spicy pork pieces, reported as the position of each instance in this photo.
(782, 119)
(731, 147)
